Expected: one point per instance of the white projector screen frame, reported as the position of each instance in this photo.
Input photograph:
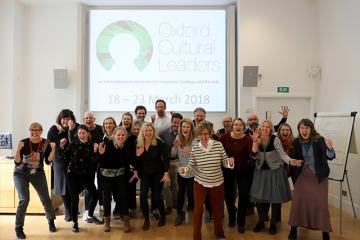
(229, 92)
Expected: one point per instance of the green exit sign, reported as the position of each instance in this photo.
(283, 89)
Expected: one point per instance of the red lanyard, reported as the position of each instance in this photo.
(37, 150)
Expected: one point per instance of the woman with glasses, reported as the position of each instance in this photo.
(30, 156)
(206, 159)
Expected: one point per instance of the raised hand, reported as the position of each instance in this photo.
(296, 162)
(102, 147)
(20, 145)
(96, 147)
(329, 143)
(186, 151)
(71, 124)
(140, 150)
(284, 111)
(176, 143)
(231, 161)
(255, 136)
(134, 176)
(63, 142)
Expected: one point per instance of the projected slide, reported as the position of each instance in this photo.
(139, 56)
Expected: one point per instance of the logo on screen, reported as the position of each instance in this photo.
(128, 27)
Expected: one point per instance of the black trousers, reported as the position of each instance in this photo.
(115, 187)
(263, 208)
(151, 182)
(131, 193)
(237, 181)
(76, 183)
(185, 185)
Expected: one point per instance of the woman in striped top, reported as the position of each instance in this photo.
(206, 160)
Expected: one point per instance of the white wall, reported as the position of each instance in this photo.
(281, 37)
(338, 90)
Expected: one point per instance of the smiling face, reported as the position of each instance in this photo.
(204, 136)
(199, 116)
(109, 126)
(304, 131)
(83, 135)
(126, 121)
(160, 108)
(148, 133)
(35, 132)
(64, 122)
(120, 136)
(285, 132)
(186, 129)
(265, 129)
(140, 114)
(238, 127)
(89, 119)
(175, 124)
(135, 129)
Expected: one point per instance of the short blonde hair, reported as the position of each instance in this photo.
(123, 129)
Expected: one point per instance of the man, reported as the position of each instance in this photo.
(168, 136)
(199, 115)
(140, 112)
(227, 124)
(161, 120)
(97, 134)
(253, 120)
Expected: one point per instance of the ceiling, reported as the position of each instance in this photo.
(130, 2)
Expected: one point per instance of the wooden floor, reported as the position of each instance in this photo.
(36, 228)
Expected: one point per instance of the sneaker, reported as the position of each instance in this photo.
(75, 227)
(20, 233)
(52, 227)
(94, 220)
(241, 229)
(259, 226)
(85, 215)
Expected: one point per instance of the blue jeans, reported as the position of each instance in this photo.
(38, 181)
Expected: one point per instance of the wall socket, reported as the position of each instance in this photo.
(344, 193)
(5, 141)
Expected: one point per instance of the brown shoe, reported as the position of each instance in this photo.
(127, 224)
(107, 224)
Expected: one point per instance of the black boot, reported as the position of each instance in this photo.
(146, 224)
(161, 221)
(272, 229)
(52, 227)
(20, 233)
(180, 217)
(325, 236)
(293, 233)
(259, 226)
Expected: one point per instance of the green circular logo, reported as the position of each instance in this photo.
(116, 28)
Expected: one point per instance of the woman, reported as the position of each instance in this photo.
(131, 190)
(286, 136)
(182, 148)
(62, 133)
(109, 125)
(206, 159)
(311, 181)
(270, 185)
(114, 167)
(239, 146)
(153, 164)
(78, 157)
(29, 168)
(126, 122)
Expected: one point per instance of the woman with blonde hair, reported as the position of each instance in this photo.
(182, 148)
(270, 185)
(153, 164)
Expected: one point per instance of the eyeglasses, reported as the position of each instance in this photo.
(35, 130)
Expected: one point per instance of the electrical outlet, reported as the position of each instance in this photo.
(5, 141)
(344, 193)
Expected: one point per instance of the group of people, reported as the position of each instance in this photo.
(173, 158)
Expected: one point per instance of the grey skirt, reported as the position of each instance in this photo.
(270, 186)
